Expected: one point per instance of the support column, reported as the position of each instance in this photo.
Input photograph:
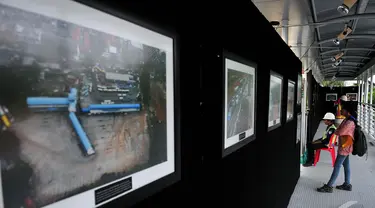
(366, 86)
(299, 45)
(362, 98)
(365, 107)
(284, 31)
(371, 84)
(359, 98)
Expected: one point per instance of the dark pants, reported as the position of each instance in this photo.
(311, 147)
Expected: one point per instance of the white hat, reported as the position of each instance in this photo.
(329, 116)
(344, 98)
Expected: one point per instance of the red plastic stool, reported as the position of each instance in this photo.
(330, 149)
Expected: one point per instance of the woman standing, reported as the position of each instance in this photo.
(345, 148)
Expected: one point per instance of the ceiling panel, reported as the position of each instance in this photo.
(367, 43)
(370, 7)
(330, 6)
(297, 12)
(330, 13)
(365, 25)
(331, 30)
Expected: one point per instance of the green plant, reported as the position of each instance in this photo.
(329, 83)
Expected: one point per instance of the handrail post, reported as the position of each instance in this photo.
(363, 99)
(359, 98)
(370, 112)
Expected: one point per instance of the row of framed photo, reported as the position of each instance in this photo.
(333, 96)
(240, 102)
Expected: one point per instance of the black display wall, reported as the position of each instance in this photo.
(327, 106)
(262, 173)
(314, 105)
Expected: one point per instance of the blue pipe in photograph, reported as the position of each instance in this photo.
(113, 106)
(81, 134)
(47, 101)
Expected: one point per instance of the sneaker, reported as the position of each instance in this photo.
(325, 189)
(345, 187)
(307, 164)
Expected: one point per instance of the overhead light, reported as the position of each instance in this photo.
(336, 41)
(346, 6)
(275, 23)
(337, 57)
(342, 35)
(337, 63)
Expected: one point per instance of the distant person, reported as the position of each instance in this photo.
(345, 148)
(329, 120)
(338, 105)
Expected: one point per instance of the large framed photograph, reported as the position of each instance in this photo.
(83, 99)
(275, 98)
(291, 98)
(240, 91)
(331, 96)
(352, 96)
(299, 89)
(299, 120)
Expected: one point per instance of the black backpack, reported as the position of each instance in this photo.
(360, 141)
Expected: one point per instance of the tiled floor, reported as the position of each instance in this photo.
(363, 181)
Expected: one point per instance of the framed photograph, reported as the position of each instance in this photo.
(290, 105)
(299, 120)
(299, 89)
(239, 113)
(275, 95)
(331, 96)
(86, 104)
(352, 96)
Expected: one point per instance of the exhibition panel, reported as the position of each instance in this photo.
(239, 102)
(290, 104)
(275, 99)
(331, 96)
(86, 95)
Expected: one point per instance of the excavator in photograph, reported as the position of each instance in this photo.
(6, 119)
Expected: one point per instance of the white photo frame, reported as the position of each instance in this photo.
(239, 98)
(299, 89)
(331, 96)
(275, 99)
(86, 194)
(290, 100)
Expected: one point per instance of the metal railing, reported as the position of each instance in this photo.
(366, 118)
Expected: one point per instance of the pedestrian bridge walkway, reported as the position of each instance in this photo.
(362, 179)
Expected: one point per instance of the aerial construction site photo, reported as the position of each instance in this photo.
(240, 100)
(79, 107)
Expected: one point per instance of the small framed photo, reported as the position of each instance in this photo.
(275, 99)
(290, 106)
(331, 96)
(352, 96)
(239, 115)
